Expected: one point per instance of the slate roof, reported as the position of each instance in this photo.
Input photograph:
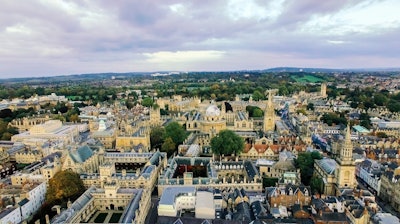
(23, 202)
(243, 212)
(250, 169)
(259, 211)
(81, 154)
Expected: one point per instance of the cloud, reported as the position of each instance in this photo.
(71, 36)
(182, 60)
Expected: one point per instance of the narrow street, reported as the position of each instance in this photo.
(152, 216)
(385, 207)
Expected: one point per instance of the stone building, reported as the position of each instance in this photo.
(390, 185)
(134, 204)
(83, 159)
(345, 170)
(204, 172)
(24, 124)
(28, 156)
(288, 195)
(52, 130)
(269, 114)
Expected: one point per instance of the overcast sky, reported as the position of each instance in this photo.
(51, 37)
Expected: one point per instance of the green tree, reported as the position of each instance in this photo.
(176, 132)
(310, 106)
(257, 112)
(305, 162)
(157, 137)
(254, 111)
(257, 95)
(316, 184)
(227, 142)
(65, 185)
(380, 99)
(147, 102)
(333, 118)
(269, 182)
(393, 106)
(282, 90)
(365, 120)
(168, 146)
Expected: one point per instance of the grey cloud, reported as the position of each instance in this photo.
(131, 28)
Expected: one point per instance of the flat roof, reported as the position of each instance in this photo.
(204, 199)
(361, 129)
(170, 193)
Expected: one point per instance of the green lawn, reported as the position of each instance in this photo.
(307, 78)
(115, 217)
(100, 218)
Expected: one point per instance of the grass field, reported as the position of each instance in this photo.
(307, 78)
(115, 217)
(100, 218)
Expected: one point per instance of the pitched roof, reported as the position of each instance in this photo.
(81, 154)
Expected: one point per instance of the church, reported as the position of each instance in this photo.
(338, 174)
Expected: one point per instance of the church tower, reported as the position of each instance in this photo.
(323, 90)
(155, 116)
(269, 114)
(345, 169)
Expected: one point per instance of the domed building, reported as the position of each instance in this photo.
(213, 111)
(210, 122)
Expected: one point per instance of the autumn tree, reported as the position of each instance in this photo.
(65, 185)
(227, 142)
(168, 146)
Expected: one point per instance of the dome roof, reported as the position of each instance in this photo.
(213, 110)
(284, 165)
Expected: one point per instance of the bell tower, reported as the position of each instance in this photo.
(345, 169)
(269, 113)
(323, 90)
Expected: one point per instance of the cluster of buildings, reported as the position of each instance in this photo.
(34, 102)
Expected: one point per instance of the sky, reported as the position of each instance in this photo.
(54, 37)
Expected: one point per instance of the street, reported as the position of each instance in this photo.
(385, 207)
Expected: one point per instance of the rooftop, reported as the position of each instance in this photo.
(170, 193)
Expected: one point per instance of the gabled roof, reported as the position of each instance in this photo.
(81, 154)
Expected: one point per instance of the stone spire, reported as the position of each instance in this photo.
(346, 151)
(269, 114)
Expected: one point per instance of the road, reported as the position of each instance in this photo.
(152, 216)
(385, 207)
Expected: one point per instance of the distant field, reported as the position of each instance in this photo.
(307, 78)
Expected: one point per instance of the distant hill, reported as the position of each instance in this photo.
(330, 70)
(117, 76)
(73, 78)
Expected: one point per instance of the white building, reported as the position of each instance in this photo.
(27, 206)
(10, 215)
(176, 199)
(35, 199)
